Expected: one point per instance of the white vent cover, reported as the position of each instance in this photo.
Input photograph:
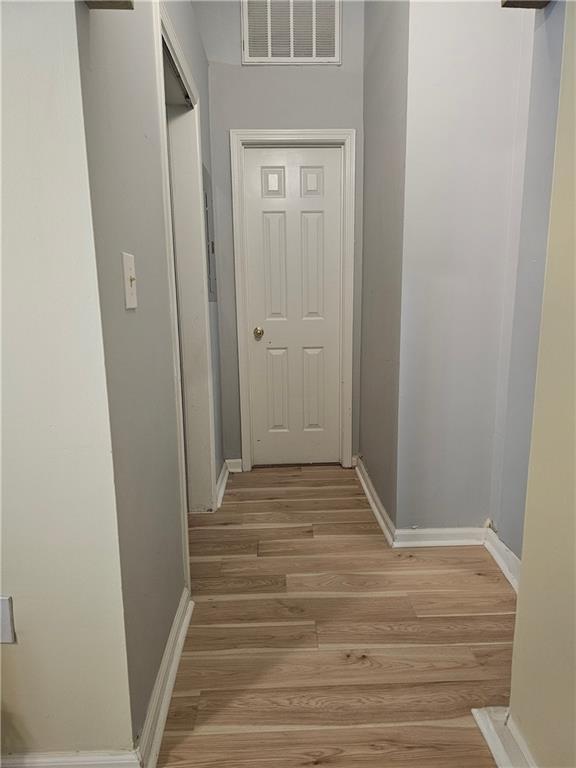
(291, 31)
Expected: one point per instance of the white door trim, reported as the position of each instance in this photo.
(164, 32)
(190, 280)
(172, 43)
(159, 32)
(345, 138)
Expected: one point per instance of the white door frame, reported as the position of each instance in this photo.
(164, 32)
(346, 139)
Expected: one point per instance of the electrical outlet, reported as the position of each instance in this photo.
(7, 631)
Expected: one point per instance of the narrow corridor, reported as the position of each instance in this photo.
(313, 642)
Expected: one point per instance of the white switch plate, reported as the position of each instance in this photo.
(130, 295)
(7, 631)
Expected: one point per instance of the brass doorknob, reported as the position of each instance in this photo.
(258, 333)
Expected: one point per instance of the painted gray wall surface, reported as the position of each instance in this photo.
(464, 75)
(183, 16)
(219, 22)
(272, 97)
(546, 68)
(124, 154)
(385, 96)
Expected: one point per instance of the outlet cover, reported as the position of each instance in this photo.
(7, 631)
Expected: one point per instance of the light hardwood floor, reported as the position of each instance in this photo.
(313, 643)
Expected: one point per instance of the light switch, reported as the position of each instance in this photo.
(130, 294)
(7, 632)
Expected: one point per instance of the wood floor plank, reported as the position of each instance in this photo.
(234, 519)
(214, 518)
(307, 469)
(408, 581)
(310, 517)
(239, 495)
(477, 556)
(303, 469)
(432, 757)
(384, 560)
(347, 705)
(327, 475)
(182, 713)
(202, 568)
(275, 469)
(326, 546)
(259, 476)
(431, 746)
(417, 664)
(290, 609)
(498, 658)
(347, 529)
(229, 547)
(464, 603)
(232, 585)
(215, 638)
(427, 630)
(241, 482)
(289, 504)
(238, 533)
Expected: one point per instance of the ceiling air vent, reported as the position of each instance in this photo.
(291, 31)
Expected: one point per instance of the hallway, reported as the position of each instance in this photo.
(312, 642)
(292, 236)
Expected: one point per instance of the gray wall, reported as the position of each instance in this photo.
(546, 65)
(124, 152)
(466, 71)
(271, 97)
(385, 94)
(446, 112)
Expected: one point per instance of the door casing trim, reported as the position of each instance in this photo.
(345, 139)
(165, 33)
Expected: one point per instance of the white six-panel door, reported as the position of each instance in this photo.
(293, 211)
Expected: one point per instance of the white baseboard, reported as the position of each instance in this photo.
(508, 562)
(146, 755)
(234, 465)
(503, 738)
(121, 759)
(378, 508)
(438, 537)
(221, 485)
(153, 729)
(520, 741)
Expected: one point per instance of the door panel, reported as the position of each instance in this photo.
(293, 210)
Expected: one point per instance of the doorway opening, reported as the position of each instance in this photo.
(185, 212)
